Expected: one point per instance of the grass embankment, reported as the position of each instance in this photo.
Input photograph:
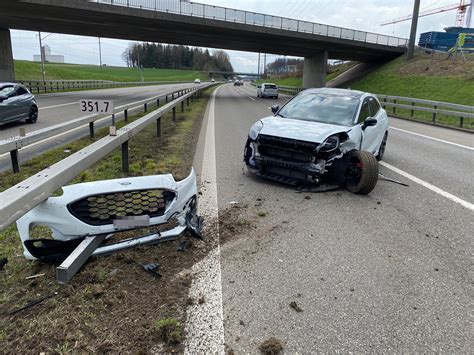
(432, 78)
(112, 305)
(26, 70)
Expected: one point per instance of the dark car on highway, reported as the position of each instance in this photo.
(17, 103)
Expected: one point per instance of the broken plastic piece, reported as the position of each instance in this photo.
(183, 245)
(29, 305)
(151, 268)
(383, 177)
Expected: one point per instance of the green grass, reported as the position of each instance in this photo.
(26, 70)
(289, 81)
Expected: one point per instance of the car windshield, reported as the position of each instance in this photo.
(6, 90)
(324, 108)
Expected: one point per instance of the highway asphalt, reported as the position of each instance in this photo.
(386, 272)
(61, 107)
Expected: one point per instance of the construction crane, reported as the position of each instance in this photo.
(464, 6)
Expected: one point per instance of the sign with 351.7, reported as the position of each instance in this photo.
(96, 106)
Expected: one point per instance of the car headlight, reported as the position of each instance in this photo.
(330, 143)
(255, 130)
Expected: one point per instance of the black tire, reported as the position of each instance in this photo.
(33, 115)
(362, 172)
(383, 144)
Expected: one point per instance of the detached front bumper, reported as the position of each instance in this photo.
(111, 206)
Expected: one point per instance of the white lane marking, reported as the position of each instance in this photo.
(205, 322)
(69, 103)
(429, 186)
(251, 98)
(432, 138)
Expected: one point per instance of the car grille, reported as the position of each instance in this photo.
(105, 208)
(286, 149)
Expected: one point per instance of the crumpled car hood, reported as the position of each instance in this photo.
(300, 130)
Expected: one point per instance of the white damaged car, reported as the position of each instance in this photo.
(323, 138)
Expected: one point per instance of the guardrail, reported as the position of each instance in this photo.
(13, 144)
(257, 19)
(42, 87)
(436, 108)
(19, 199)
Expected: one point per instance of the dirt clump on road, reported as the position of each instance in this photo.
(272, 346)
(295, 306)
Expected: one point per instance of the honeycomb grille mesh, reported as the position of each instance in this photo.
(105, 208)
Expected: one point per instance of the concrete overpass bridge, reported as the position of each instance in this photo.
(196, 25)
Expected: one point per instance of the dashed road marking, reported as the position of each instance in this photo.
(251, 98)
(429, 186)
(69, 103)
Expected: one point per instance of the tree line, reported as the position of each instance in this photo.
(156, 55)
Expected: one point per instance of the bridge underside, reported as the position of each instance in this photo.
(81, 17)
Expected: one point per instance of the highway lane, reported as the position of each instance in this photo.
(383, 272)
(62, 107)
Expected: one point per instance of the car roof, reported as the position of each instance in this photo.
(6, 83)
(268, 84)
(337, 92)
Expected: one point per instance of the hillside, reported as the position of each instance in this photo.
(26, 70)
(429, 78)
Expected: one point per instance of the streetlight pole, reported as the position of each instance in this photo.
(414, 24)
(42, 56)
(100, 54)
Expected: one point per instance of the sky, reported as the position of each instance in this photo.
(365, 15)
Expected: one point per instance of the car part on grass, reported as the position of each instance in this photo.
(183, 245)
(87, 214)
(3, 262)
(320, 140)
(151, 268)
(29, 305)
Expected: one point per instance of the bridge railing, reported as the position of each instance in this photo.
(41, 87)
(19, 199)
(12, 145)
(258, 19)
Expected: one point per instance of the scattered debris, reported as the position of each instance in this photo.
(34, 276)
(3, 262)
(201, 299)
(29, 305)
(272, 346)
(189, 301)
(241, 322)
(151, 268)
(183, 245)
(295, 306)
(232, 203)
(384, 178)
(262, 214)
(307, 197)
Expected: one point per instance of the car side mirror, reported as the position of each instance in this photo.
(369, 122)
(3, 98)
(275, 108)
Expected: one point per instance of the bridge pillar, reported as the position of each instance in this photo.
(6, 56)
(314, 70)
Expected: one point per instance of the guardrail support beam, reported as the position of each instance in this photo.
(174, 114)
(125, 115)
(15, 163)
(145, 107)
(125, 162)
(182, 106)
(158, 127)
(91, 130)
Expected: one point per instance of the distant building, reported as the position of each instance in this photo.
(48, 57)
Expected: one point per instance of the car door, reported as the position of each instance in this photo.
(23, 101)
(9, 109)
(380, 115)
(369, 134)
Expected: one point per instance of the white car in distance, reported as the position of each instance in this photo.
(267, 90)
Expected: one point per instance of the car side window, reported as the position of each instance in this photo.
(364, 111)
(21, 91)
(374, 106)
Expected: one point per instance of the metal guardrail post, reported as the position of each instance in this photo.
(394, 108)
(166, 99)
(125, 161)
(145, 107)
(182, 106)
(125, 115)
(91, 130)
(412, 111)
(158, 127)
(158, 102)
(434, 114)
(174, 114)
(461, 121)
(187, 101)
(15, 163)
